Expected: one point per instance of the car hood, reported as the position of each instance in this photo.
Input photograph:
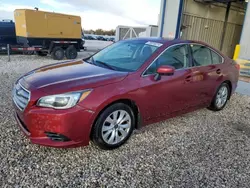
(70, 76)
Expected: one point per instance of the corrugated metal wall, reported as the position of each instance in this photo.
(232, 38)
(210, 31)
(198, 28)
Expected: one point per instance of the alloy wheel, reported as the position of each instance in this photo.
(116, 127)
(221, 97)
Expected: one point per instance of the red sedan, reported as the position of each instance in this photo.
(127, 85)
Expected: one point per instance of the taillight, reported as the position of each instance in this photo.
(237, 66)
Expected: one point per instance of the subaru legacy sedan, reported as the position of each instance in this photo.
(127, 85)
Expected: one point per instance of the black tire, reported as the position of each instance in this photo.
(97, 128)
(71, 52)
(42, 54)
(57, 53)
(214, 106)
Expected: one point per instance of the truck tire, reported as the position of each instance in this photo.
(40, 53)
(57, 53)
(71, 52)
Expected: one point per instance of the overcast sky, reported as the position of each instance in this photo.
(104, 14)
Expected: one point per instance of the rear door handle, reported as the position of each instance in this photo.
(218, 71)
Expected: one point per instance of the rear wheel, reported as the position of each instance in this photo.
(57, 53)
(221, 97)
(114, 126)
(71, 52)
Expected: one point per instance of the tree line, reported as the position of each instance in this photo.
(100, 32)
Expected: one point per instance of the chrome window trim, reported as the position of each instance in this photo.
(28, 98)
(223, 60)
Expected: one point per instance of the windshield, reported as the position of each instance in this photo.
(125, 55)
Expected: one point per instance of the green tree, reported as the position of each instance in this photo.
(100, 32)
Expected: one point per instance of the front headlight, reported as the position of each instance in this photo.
(63, 101)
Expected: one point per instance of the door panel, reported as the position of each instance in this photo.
(207, 69)
(165, 96)
(170, 95)
(55, 26)
(205, 79)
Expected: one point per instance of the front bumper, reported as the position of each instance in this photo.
(74, 124)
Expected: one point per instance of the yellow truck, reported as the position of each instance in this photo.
(49, 33)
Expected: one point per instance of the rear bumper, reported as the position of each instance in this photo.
(234, 87)
(74, 124)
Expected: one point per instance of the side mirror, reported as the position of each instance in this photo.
(164, 70)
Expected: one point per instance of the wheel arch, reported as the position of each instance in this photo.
(131, 103)
(230, 87)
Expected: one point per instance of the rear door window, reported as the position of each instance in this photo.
(201, 55)
(217, 59)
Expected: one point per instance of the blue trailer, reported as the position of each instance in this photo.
(7, 34)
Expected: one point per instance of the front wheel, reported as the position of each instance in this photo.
(114, 126)
(221, 97)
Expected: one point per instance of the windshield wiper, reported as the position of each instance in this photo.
(89, 60)
(93, 62)
(105, 64)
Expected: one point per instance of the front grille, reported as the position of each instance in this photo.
(21, 96)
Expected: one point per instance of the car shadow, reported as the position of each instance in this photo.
(242, 127)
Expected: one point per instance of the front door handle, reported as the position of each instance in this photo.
(188, 78)
(218, 71)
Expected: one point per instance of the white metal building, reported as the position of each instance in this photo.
(125, 32)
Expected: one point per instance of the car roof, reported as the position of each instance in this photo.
(151, 39)
(167, 40)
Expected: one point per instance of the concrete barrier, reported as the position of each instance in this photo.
(244, 64)
(244, 67)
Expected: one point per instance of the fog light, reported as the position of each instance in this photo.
(57, 137)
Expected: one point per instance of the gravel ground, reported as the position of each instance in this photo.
(199, 149)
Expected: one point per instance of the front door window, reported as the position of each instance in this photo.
(176, 56)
